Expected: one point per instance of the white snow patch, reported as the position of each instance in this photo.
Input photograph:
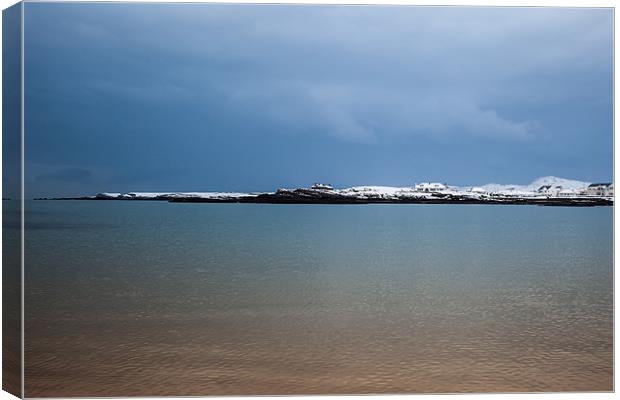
(563, 187)
(532, 188)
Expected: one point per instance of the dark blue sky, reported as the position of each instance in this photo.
(196, 97)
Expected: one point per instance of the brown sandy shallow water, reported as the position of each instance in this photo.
(269, 308)
(273, 351)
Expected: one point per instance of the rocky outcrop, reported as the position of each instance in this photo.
(363, 195)
(310, 196)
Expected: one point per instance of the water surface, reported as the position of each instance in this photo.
(155, 298)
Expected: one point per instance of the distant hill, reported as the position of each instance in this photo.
(532, 187)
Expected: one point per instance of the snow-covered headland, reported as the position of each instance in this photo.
(543, 191)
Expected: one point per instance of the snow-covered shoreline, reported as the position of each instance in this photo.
(546, 190)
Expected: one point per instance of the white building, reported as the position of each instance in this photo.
(600, 189)
(322, 186)
(550, 191)
(555, 191)
(544, 190)
(430, 187)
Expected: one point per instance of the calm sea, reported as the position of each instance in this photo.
(155, 298)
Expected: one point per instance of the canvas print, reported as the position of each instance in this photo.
(269, 199)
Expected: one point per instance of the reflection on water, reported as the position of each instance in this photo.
(149, 298)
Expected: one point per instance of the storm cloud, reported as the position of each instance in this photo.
(222, 97)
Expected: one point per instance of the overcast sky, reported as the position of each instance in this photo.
(197, 97)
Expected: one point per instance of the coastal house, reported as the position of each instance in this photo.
(555, 191)
(599, 189)
(550, 190)
(544, 189)
(430, 187)
(322, 186)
